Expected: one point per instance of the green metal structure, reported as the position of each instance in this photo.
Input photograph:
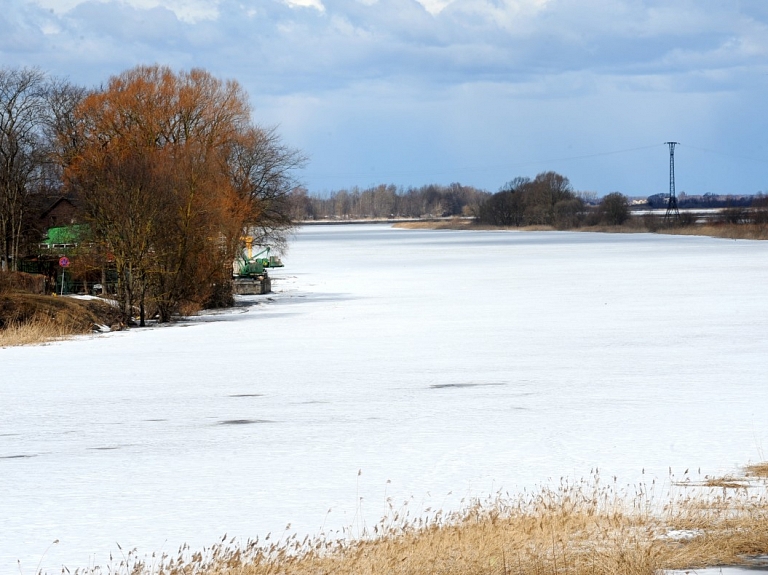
(256, 265)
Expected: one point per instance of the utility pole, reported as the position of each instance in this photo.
(672, 210)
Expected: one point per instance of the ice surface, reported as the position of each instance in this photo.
(441, 365)
(717, 571)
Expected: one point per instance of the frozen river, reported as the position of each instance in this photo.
(426, 366)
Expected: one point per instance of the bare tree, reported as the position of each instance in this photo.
(614, 209)
(263, 174)
(548, 199)
(22, 113)
(61, 123)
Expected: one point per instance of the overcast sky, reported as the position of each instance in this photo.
(412, 92)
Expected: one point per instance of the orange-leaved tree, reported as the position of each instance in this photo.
(172, 172)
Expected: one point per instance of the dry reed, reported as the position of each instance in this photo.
(27, 318)
(39, 330)
(757, 469)
(465, 224)
(632, 226)
(583, 528)
(726, 231)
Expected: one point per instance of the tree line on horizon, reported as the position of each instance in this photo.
(167, 170)
(548, 199)
(389, 201)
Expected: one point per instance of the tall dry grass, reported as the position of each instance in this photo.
(39, 330)
(31, 283)
(27, 318)
(741, 231)
(585, 528)
(757, 470)
(722, 230)
(465, 224)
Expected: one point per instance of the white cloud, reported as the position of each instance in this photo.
(316, 4)
(190, 11)
(500, 10)
(453, 77)
(50, 28)
(435, 6)
(57, 5)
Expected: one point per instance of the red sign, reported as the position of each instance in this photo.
(64, 262)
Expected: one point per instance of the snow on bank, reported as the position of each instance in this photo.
(424, 366)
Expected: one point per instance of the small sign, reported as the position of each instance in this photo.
(64, 262)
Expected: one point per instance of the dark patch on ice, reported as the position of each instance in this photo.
(300, 299)
(247, 395)
(9, 434)
(463, 385)
(243, 421)
(111, 447)
(155, 420)
(21, 456)
(215, 312)
(312, 402)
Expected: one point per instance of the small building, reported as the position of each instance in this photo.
(60, 213)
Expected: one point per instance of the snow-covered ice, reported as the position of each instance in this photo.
(426, 366)
(716, 571)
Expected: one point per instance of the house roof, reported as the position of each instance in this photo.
(50, 208)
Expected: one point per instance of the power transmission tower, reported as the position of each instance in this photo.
(672, 210)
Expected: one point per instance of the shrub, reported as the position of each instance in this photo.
(614, 209)
(568, 213)
(732, 215)
(20, 281)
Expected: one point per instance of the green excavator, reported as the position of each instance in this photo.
(251, 266)
(250, 270)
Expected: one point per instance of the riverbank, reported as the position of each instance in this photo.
(28, 318)
(633, 226)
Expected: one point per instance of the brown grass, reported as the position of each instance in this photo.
(464, 224)
(452, 224)
(728, 231)
(757, 470)
(20, 281)
(36, 331)
(727, 482)
(30, 318)
(633, 226)
(586, 528)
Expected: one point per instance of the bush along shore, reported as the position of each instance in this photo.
(589, 527)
